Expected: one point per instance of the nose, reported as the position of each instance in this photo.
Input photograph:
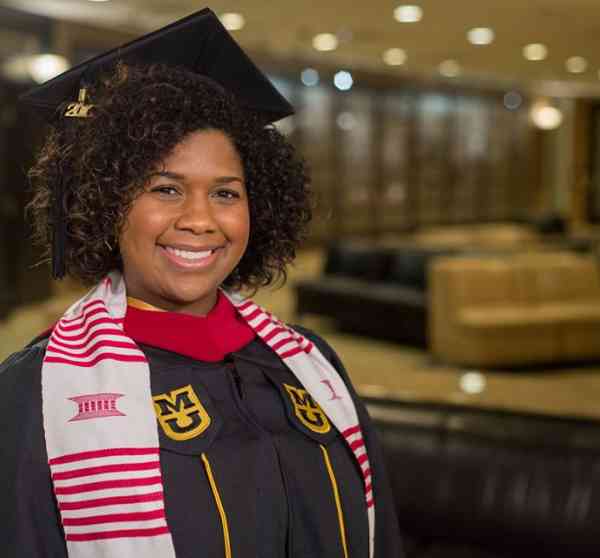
(196, 216)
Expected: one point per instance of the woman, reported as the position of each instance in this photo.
(169, 196)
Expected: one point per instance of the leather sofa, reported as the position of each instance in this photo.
(514, 310)
(372, 290)
(473, 483)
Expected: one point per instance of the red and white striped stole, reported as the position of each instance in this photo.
(101, 432)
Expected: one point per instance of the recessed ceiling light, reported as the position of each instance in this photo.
(325, 41)
(513, 100)
(546, 117)
(394, 56)
(309, 77)
(576, 64)
(480, 35)
(535, 51)
(408, 14)
(99, 0)
(343, 80)
(472, 382)
(43, 67)
(449, 68)
(232, 21)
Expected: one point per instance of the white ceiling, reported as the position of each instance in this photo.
(285, 28)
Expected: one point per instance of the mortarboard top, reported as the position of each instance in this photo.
(198, 42)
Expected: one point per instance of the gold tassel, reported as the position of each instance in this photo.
(79, 109)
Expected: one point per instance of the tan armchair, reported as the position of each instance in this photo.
(513, 310)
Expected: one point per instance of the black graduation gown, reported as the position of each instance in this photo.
(267, 456)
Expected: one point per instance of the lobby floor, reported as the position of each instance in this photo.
(382, 369)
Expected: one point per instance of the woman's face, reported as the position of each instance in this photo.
(189, 228)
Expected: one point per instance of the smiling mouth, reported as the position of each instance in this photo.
(190, 258)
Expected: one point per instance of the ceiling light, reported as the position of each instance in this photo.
(99, 0)
(512, 100)
(576, 64)
(232, 21)
(472, 382)
(480, 35)
(394, 56)
(546, 117)
(408, 14)
(309, 77)
(449, 68)
(343, 80)
(325, 41)
(46, 66)
(535, 51)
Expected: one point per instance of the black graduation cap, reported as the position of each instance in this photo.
(199, 43)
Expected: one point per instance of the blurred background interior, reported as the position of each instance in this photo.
(453, 259)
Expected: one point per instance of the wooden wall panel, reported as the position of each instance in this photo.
(354, 141)
(399, 159)
(393, 212)
(314, 122)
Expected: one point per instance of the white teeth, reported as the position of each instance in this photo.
(189, 255)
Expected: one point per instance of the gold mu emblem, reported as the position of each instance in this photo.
(307, 410)
(180, 413)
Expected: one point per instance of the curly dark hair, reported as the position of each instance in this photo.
(140, 114)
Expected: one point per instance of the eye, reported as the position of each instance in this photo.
(227, 194)
(165, 190)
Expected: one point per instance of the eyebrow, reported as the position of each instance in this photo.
(181, 177)
(168, 174)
